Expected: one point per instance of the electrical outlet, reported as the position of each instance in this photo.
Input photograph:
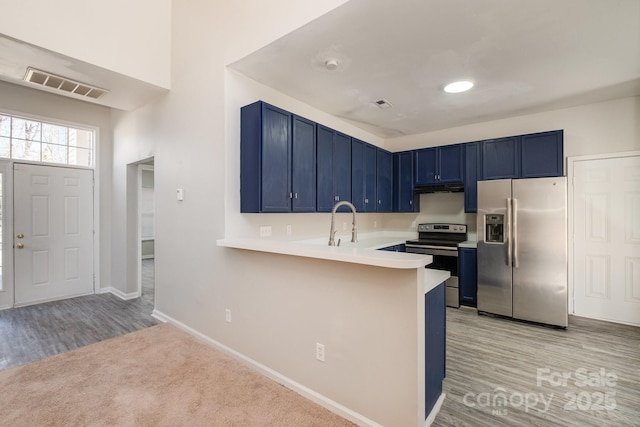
(344, 225)
(288, 230)
(320, 352)
(265, 231)
(227, 315)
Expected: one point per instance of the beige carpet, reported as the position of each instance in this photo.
(158, 376)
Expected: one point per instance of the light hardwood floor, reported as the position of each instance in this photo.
(500, 370)
(34, 332)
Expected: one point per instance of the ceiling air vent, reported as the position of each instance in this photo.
(64, 84)
(383, 103)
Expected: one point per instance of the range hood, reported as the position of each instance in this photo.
(456, 187)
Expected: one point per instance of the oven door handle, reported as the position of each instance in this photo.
(432, 250)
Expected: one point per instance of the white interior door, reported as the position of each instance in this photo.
(53, 233)
(606, 246)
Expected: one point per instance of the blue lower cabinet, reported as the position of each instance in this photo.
(468, 275)
(435, 344)
(395, 248)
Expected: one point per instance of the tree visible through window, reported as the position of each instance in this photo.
(26, 139)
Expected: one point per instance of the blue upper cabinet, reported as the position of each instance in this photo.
(265, 159)
(363, 176)
(451, 161)
(541, 154)
(370, 178)
(333, 157)
(357, 174)
(426, 166)
(385, 178)
(471, 175)
(403, 182)
(439, 165)
(303, 165)
(524, 156)
(500, 158)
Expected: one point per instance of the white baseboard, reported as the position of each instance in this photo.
(118, 293)
(434, 411)
(312, 395)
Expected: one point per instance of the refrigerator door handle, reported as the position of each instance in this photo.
(515, 232)
(509, 253)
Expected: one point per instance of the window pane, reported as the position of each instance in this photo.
(5, 147)
(5, 125)
(54, 153)
(25, 129)
(81, 138)
(80, 156)
(54, 134)
(26, 150)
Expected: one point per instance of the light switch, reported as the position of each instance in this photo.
(180, 194)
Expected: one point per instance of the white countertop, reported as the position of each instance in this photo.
(364, 251)
(433, 278)
(468, 244)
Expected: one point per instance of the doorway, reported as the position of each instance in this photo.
(605, 249)
(53, 239)
(146, 215)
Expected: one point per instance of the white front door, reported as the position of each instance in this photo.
(53, 233)
(606, 245)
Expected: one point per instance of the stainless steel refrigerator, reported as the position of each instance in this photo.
(522, 249)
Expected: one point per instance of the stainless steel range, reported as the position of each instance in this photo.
(441, 242)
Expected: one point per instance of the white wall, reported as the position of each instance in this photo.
(129, 37)
(32, 102)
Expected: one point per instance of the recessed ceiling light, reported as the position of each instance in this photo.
(457, 87)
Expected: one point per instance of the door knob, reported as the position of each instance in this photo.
(20, 245)
(20, 236)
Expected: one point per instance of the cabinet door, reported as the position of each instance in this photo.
(467, 269)
(384, 187)
(450, 163)
(500, 158)
(435, 344)
(276, 160)
(426, 166)
(370, 178)
(357, 175)
(403, 181)
(303, 165)
(324, 161)
(542, 155)
(342, 168)
(471, 177)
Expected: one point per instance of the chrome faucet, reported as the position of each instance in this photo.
(332, 232)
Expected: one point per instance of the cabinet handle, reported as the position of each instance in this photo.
(291, 195)
(410, 202)
(366, 201)
(295, 195)
(336, 198)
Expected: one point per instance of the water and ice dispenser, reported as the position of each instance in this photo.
(494, 228)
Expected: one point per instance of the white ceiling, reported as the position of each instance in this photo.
(523, 55)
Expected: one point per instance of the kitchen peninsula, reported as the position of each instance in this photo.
(377, 315)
